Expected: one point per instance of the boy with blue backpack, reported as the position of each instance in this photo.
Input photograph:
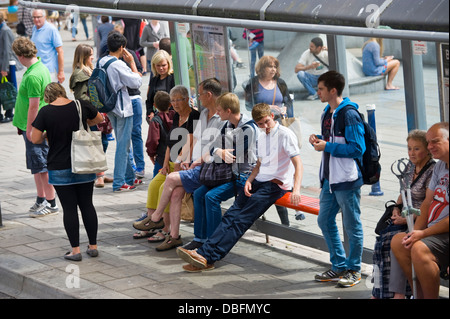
(120, 77)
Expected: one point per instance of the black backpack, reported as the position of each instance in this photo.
(370, 164)
(20, 28)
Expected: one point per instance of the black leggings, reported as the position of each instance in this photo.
(72, 197)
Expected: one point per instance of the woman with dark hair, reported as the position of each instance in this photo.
(56, 122)
(374, 64)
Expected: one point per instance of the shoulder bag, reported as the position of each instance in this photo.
(87, 150)
(292, 123)
(214, 174)
(187, 208)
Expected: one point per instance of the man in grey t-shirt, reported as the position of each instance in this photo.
(426, 247)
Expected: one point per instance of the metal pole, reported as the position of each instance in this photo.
(376, 189)
(337, 58)
(414, 88)
(1, 221)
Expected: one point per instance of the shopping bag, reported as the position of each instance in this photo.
(8, 94)
(87, 150)
(293, 124)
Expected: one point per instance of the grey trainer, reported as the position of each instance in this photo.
(350, 278)
(329, 275)
(36, 207)
(47, 210)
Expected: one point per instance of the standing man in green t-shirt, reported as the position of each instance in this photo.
(30, 99)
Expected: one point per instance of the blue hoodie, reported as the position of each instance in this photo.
(346, 144)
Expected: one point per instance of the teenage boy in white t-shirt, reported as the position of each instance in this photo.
(279, 168)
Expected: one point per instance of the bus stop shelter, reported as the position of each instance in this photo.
(409, 21)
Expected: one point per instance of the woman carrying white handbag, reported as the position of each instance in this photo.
(57, 122)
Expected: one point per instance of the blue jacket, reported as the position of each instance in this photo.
(346, 144)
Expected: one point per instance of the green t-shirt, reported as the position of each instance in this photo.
(33, 84)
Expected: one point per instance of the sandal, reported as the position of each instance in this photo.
(143, 234)
(157, 239)
(170, 243)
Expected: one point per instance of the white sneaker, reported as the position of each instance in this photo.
(47, 210)
(36, 207)
(312, 97)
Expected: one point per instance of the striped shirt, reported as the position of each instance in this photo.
(259, 34)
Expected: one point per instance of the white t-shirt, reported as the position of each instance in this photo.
(307, 58)
(275, 151)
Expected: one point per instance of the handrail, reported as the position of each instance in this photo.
(244, 23)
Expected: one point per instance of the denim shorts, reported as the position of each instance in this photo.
(36, 155)
(63, 177)
(190, 179)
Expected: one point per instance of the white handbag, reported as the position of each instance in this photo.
(87, 150)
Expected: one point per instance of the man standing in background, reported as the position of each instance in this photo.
(49, 45)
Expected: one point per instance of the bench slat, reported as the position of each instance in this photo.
(307, 204)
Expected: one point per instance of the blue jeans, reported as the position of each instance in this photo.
(239, 218)
(136, 135)
(349, 202)
(123, 171)
(105, 142)
(75, 24)
(208, 213)
(255, 47)
(308, 80)
(156, 169)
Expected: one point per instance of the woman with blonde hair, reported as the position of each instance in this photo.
(374, 64)
(162, 80)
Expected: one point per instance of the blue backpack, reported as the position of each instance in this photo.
(101, 93)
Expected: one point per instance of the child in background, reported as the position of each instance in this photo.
(158, 129)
